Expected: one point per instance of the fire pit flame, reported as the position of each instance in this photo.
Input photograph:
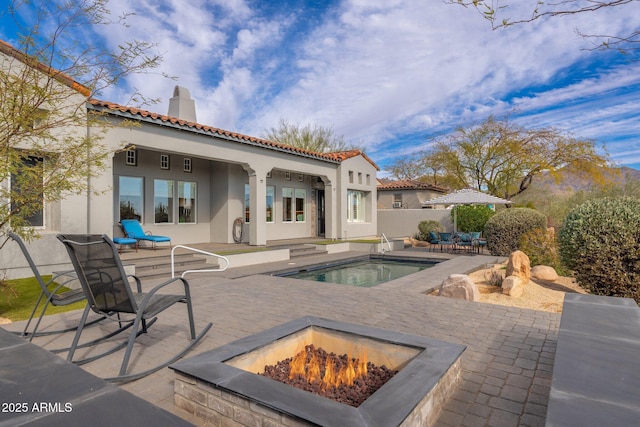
(307, 365)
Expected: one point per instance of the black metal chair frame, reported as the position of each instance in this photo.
(50, 296)
(108, 292)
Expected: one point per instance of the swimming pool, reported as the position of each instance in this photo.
(362, 272)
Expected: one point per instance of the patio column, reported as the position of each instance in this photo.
(258, 206)
(331, 209)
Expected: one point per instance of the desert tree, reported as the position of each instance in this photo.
(502, 158)
(497, 12)
(423, 166)
(409, 167)
(320, 139)
(50, 145)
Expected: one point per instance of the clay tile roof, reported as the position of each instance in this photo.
(410, 184)
(9, 50)
(337, 157)
(344, 155)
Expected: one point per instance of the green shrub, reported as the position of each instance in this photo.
(426, 226)
(472, 217)
(504, 230)
(600, 241)
(541, 247)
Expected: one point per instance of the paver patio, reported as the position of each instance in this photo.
(506, 368)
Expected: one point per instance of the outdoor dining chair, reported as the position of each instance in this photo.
(446, 241)
(52, 292)
(97, 263)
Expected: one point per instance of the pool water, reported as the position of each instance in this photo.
(364, 273)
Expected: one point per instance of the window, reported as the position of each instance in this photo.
(163, 201)
(287, 204)
(131, 158)
(397, 200)
(301, 195)
(187, 164)
(247, 202)
(287, 175)
(356, 206)
(368, 179)
(271, 194)
(359, 177)
(350, 177)
(131, 190)
(27, 188)
(300, 177)
(186, 202)
(40, 118)
(164, 161)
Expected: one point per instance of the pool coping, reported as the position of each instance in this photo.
(428, 280)
(423, 281)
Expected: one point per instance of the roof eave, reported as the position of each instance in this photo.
(229, 136)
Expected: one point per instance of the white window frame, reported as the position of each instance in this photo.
(300, 194)
(165, 161)
(131, 157)
(171, 196)
(247, 203)
(288, 194)
(271, 191)
(356, 206)
(43, 212)
(194, 207)
(120, 188)
(187, 165)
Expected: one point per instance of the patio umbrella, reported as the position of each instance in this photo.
(466, 197)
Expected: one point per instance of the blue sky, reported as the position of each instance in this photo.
(386, 74)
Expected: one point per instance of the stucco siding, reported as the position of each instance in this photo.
(404, 222)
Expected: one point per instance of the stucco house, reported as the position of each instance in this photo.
(191, 181)
(406, 194)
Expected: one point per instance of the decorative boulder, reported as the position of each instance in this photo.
(519, 265)
(460, 286)
(544, 272)
(512, 286)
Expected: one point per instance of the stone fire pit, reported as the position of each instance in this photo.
(223, 383)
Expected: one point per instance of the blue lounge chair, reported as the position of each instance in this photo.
(125, 241)
(133, 230)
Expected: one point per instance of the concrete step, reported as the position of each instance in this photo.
(164, 271)
(160, 266)
(305, 251)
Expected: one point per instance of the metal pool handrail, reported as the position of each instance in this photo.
(383, 239)
(225, 259)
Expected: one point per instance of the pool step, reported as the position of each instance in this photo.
(300, 251)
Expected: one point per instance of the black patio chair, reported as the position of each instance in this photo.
(97, 263)
(51, 292)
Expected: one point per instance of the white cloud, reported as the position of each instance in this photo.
(380, 72)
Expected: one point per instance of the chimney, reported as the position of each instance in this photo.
(181, 105)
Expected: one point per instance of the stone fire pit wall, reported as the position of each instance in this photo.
(211, 388)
